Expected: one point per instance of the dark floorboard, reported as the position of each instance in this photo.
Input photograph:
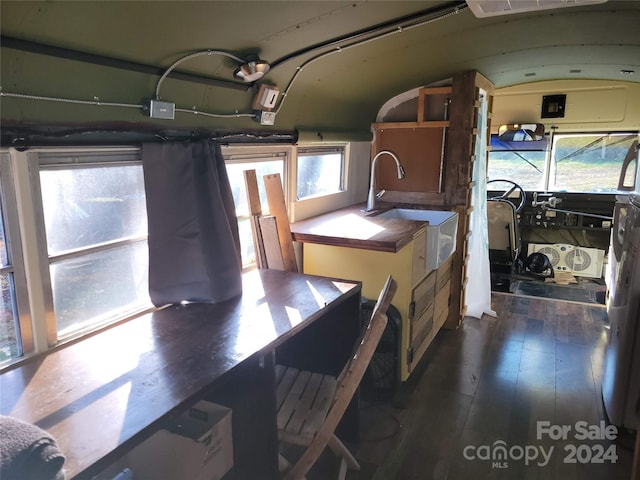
(490, 383)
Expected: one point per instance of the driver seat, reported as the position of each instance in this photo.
(504, 243)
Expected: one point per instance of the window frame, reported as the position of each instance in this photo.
(16, 266)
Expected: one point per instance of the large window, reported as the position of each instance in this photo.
(96, 229)
(581, 163)
(79, 216)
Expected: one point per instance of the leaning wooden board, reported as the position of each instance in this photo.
(278, 209)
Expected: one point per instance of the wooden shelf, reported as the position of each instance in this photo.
(433, 103)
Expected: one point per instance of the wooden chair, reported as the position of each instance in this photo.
(310, 405)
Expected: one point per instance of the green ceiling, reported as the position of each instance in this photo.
(339, 92)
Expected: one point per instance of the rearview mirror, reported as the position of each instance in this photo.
(521, 132)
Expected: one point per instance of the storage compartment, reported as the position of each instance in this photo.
(198, 445)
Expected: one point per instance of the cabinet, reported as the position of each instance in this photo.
(422, 297)
(437, 147)
(419, 145)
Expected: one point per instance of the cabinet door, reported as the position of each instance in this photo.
(423, 295)
(420, 152)
(421, 312)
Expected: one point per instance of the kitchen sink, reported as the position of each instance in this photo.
(441, 231)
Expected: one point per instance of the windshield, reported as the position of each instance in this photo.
(581, 163)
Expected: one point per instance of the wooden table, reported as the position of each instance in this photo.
(103, 395)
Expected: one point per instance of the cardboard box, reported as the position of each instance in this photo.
(198, 445)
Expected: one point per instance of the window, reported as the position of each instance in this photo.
(581, 163)
(320, 171)
(588, 162)
(96, 229)
(79, 215)
(265, 163)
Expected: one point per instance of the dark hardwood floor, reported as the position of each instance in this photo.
(488, 384)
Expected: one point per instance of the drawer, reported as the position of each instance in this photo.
(423, 295)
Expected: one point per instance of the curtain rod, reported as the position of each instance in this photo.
(23, 138)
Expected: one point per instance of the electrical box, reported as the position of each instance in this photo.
(266, 97)
(158, 109)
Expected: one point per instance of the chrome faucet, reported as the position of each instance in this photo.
(371, 198)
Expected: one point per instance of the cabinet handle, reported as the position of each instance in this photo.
(412, 309)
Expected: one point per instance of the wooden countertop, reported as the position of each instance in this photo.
(350, 227)
(102, 394)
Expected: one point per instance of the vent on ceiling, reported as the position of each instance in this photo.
(491, 8)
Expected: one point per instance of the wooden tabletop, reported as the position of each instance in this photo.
(350, 227)
(106, 392)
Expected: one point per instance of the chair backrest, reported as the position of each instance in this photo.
(351, 375)
(503, 227)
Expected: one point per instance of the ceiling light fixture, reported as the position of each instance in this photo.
(250, 69)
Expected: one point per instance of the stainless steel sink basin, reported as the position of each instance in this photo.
(441, 231)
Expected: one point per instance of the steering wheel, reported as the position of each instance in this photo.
(519, 202)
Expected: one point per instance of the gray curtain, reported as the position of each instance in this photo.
(194, 246)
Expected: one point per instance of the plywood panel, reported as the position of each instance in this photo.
(278, 208)
(419, 151)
